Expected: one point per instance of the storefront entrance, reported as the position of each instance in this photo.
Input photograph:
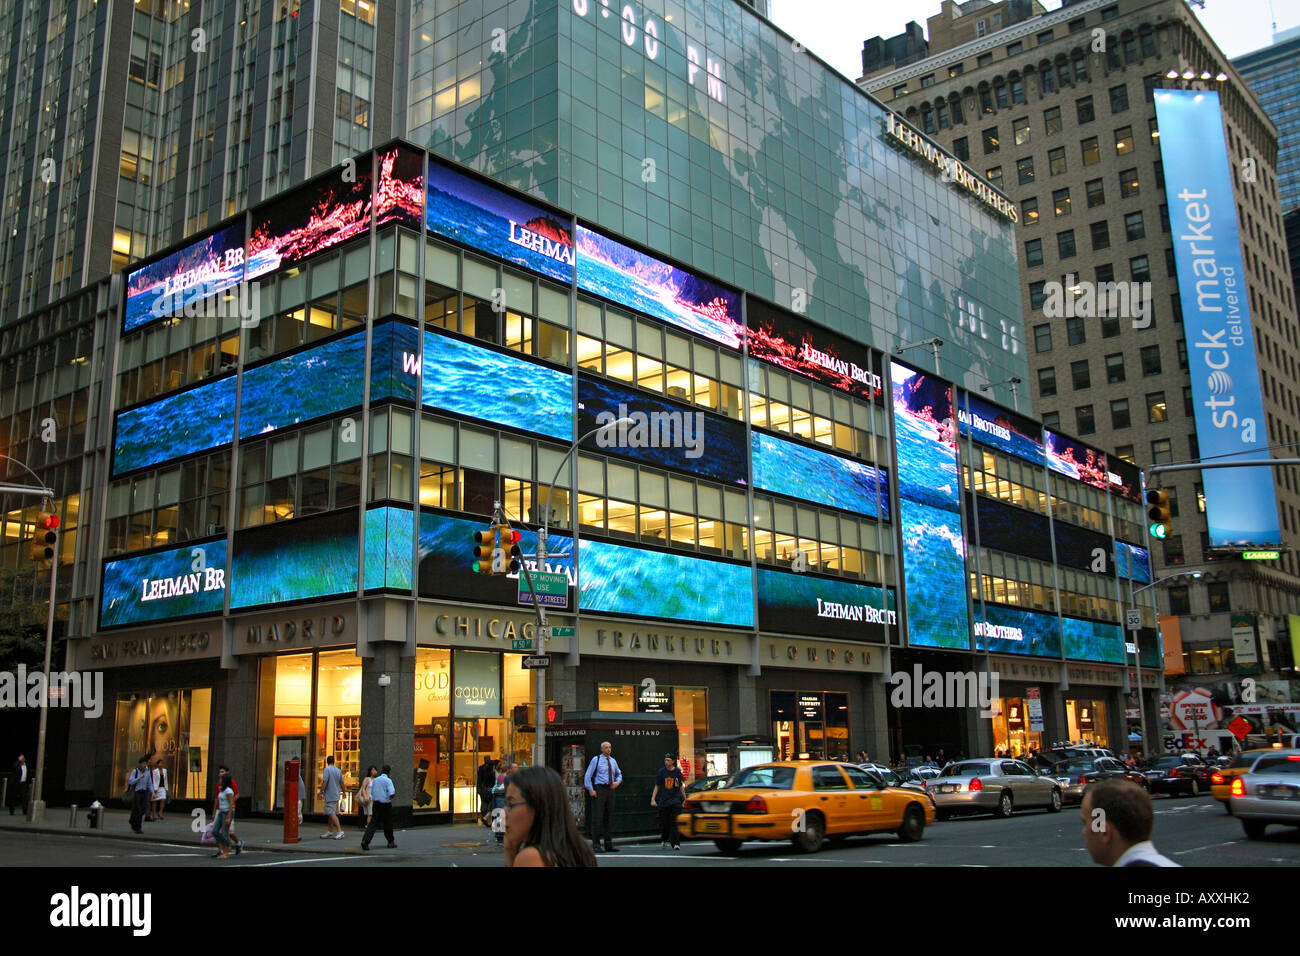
(1013, 731)
(1086, 722)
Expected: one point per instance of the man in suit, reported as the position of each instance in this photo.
(1117, 824)
(20, 783)
(602, 779)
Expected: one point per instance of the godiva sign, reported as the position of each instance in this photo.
(950, 167)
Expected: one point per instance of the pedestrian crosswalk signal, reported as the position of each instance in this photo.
(46, 537)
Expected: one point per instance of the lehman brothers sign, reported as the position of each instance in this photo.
(951, 168)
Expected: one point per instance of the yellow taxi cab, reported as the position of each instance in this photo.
(1221, 779)
(806, 802)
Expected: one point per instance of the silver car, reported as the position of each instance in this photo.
(992, 785)
(1269, 792)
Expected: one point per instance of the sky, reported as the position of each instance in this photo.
(835, 29)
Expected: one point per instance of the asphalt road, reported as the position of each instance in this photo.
(1193, 831)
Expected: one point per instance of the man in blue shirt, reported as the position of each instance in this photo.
(141, 785)
(602, 779)
(382, 792)
(331, 785)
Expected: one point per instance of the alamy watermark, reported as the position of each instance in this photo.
(201, 299)
(75, 690)
(922, 688)
(654, 430)
(1086, 300)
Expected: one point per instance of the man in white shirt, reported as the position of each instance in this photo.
(19, 783)
(382, 792)
(602, 779)
(1117, 825)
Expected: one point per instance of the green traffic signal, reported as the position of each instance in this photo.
(1160, 513)
(1157, 531)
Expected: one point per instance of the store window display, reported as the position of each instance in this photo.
(171, 726)
(812, 723)
(1011, 728)
(1086, 720)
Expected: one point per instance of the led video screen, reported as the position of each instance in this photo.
(389, 548)
(1000, 429)
(1132, 562)
(496, 387)
(1006, 630)
(1083, 549)
(307, 220)
(789, 468)
(790, 603)
(1013, 530)
(201, 269)
(191, 421)
(822, 356)
(616, 579)
(1125, 479)
(295, 560)
(1092, 640)
(490, 219)
(395, 362)
(655, 288)
(399, 187)
(661, 433)
(934, 551)
(304, 386)
(1076, 460)
(183, 582)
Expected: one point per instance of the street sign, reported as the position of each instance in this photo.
(1239, 727)
(552, 589)
(537, 663)
(559, 631)
(1260, 555)
(1134, 620)
(1130, 648)
(521, 644)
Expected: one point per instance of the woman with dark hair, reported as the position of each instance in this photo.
(364, 800)
(225, 811)
(540, 830)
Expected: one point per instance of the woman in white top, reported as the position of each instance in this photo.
(159, 789)
(364, 800)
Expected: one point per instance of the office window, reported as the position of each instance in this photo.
(1161, 452)
(1063, 74)
(1110, 13)
(1015, 49)
(1091, 151)
(1052, 119)
(1179, 603)
(981, 28)
(1037, 295)
(1034, 252)
(1119, 415)
(1130, 50)
(1174, 548)
(1118, 98)
(1199, 489)
(1109, 326)
(1134, 228)
(1148, 44)
(1181, 347)
(961, 148)
(1115, 368)
(1164, 218)
(900, 90)
(1046, 382)
(957, 69)
(1052, 420)
(1140, 268)
(1081, 69)
(927, 80)
(1096, 193)
(1029, 211)
(1125, 452)
(1044, 37)
(1079, 376)
(1061, 201)
(1124, 140)
(1105, 273)
(1056, 161)
(1020, 128)
(1171, 268)
(1128, 183)
(1083, 107)
(927, 119)
(1025, 170)
(941, 114)
(1113, 62)
(1218, 595)
(1188, 409)
(1159, 169)
(1100, 235)
(1017, 91)
(1078, 24)
(1042, 338)
(1047, 79)
(994, 176)
(984, 59)
(1087, 424)
(1150, 355)
(1157, 411)
(1074, 331)
(991, 144)
(1065, 244)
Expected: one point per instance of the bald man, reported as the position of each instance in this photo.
(603, 778)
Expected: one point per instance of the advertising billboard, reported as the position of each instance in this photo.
(998, 428)
(191, 421)
(304, 386)
(1125, 479)
(308, 220)
(1092, 640)
(783, 340)
(163, 585)
(934, 550)
(399, 187)
(790, 603)
(1008, 630)
(201, 269)
(649, 285)
(1240, 503)
(1074, 459)
(1014, 530)
(810, 474)
(295, 560)
(389, 547)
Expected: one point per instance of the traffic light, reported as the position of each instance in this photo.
(508, 543)
(554, 714)
(522, 717)
(484, 544)
(46, 537)
(1159, 513)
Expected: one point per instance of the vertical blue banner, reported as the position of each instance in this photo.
(1240, 503)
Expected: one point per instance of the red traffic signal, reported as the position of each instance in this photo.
(46, 537)
(509, 543)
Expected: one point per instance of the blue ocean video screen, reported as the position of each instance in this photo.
(489, 219)
(790, 468)
(307, 385)
(496, 387)
(195, 420)
(663, 434)
(934, 551)
(182, 582)
(1132, 562)
(389, 547)
(1092, 640)
(295, 560)
(655, 288)
(1000, 429)
(1076, 460)
(395, 362)
(1007, 630)
(616, 579)
(201, 269)
(791, 603)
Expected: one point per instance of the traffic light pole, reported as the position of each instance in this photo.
(38, 805)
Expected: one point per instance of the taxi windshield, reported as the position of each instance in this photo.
(774, 778)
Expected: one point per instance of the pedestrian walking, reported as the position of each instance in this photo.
(302, 794)
(140, 783)
(667, 796)
(540, 830)
(382, 792)
(331, 787)
(364, 799)
(159, 789)
(1117, 825)
(602, 779)
(225, 813)
(483, 785)
(20, 782)
(224, 771)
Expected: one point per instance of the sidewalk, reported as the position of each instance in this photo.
(262, 834)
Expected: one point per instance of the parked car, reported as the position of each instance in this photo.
(814, 800)
(1178, 773)
(990, 785)
(1074, 775)
(892, 778)
(1269, 792)
(924, 774)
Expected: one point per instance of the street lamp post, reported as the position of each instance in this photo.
(933, 345)
(1137, 650)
